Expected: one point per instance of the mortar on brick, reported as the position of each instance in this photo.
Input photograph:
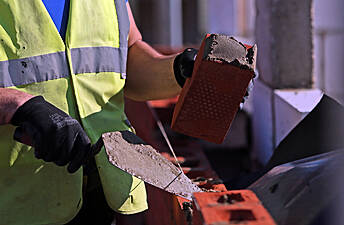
(228, 50)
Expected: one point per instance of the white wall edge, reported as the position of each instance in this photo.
(303, 100)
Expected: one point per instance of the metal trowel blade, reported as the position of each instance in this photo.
(129, 153)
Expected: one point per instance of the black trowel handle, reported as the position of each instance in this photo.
(95, 149)
(89, 164)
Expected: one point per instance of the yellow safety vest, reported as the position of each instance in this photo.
(84, 77)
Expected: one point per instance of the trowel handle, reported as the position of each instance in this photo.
(95, 148)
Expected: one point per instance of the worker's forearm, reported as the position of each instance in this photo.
(149, 74)
(10, 101)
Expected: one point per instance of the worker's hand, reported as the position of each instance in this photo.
(55, 135)
(183, 65)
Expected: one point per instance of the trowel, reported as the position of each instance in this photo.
(129, 153)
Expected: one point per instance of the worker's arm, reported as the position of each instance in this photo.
(149, 74)
(10, 101)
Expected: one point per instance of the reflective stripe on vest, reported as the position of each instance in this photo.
(99, 59)
(34, 69)
(123, 22)
(53, 66)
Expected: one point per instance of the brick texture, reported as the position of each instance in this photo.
(210, 100)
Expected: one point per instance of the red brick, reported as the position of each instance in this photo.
(231, 207)
(210, 99)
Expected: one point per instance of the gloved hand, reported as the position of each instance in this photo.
(55, 135)
(183, 65)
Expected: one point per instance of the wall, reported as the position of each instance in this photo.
(329, 47)
(284, 93)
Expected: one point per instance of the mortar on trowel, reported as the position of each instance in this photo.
(210, 99)
(129, 153)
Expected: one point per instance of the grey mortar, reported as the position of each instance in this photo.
(129, 153)
(228, 50)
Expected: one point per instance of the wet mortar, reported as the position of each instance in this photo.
(129, 153)
(228, 50)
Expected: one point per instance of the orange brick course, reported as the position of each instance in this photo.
(231, 207)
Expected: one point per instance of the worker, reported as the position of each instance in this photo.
(65, 67)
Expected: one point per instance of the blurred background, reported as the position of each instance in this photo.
(287, 117)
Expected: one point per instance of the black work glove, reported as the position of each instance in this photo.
(183, 65)
(55, 135)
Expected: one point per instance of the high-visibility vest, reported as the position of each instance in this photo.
(83, 76)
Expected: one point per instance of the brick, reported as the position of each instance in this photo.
(210, 100)
(284, 36)
(231, 207)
